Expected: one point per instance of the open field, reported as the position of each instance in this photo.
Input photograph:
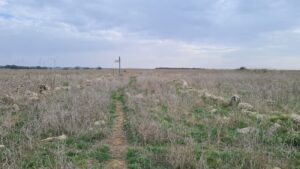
(150, 119)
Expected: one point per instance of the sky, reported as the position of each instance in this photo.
(151, 33)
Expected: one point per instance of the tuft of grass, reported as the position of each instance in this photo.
(132, 80)
(136, 160)
(101, 154)
(42, 157)
(199, 133)
(66, 84)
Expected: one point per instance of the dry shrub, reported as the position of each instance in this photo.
(152, 132)
(181, 156)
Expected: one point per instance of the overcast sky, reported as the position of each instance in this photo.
(151, 33)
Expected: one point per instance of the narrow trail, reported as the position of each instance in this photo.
(117, 141)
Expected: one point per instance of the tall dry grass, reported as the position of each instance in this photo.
(169, 109)
(75, 101)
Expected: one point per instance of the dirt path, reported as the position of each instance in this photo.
(117, 142)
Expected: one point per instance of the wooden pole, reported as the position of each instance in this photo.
(119, 66)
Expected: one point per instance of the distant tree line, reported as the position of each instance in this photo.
(44, 67)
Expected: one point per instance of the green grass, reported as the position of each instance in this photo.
(42, 157)
(132, 80)
(102, 154)
(119, 95)
(136, 160)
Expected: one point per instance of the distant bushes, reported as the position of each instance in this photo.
(22, 67)
(43, 67)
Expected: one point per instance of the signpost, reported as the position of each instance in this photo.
(119, 61)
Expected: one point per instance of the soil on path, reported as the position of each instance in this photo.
(117, 141)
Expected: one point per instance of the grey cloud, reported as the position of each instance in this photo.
(107, 28)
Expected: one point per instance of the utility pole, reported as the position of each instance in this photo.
(119, 61)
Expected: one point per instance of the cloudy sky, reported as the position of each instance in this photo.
(151, 33)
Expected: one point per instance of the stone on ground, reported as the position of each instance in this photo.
(296, 118)
(59, 138)
(273, 129)
(16, 108)
(248, 130)
(245, 106)
(235, 100)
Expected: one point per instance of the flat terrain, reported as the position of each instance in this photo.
(150, 119)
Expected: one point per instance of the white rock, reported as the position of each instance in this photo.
(79, 87)
(16, 108)
(271, 102)
(88, 82)
(31, 95)
(213, 97)
(253, 114)
(59, 138)
(184, 83)
(128, 94)
(57, 88)
(66, 87)
(139, 96)
(97, 123)
(248, 130)
(102, 122)
(273, 129)
(2, 146)
(295, 117)
(214, 111)
(245, 106)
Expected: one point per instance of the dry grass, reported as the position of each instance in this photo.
(75, 101)
(177, 119)
(187, 113)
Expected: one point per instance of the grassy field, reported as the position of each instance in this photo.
(173, 119)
